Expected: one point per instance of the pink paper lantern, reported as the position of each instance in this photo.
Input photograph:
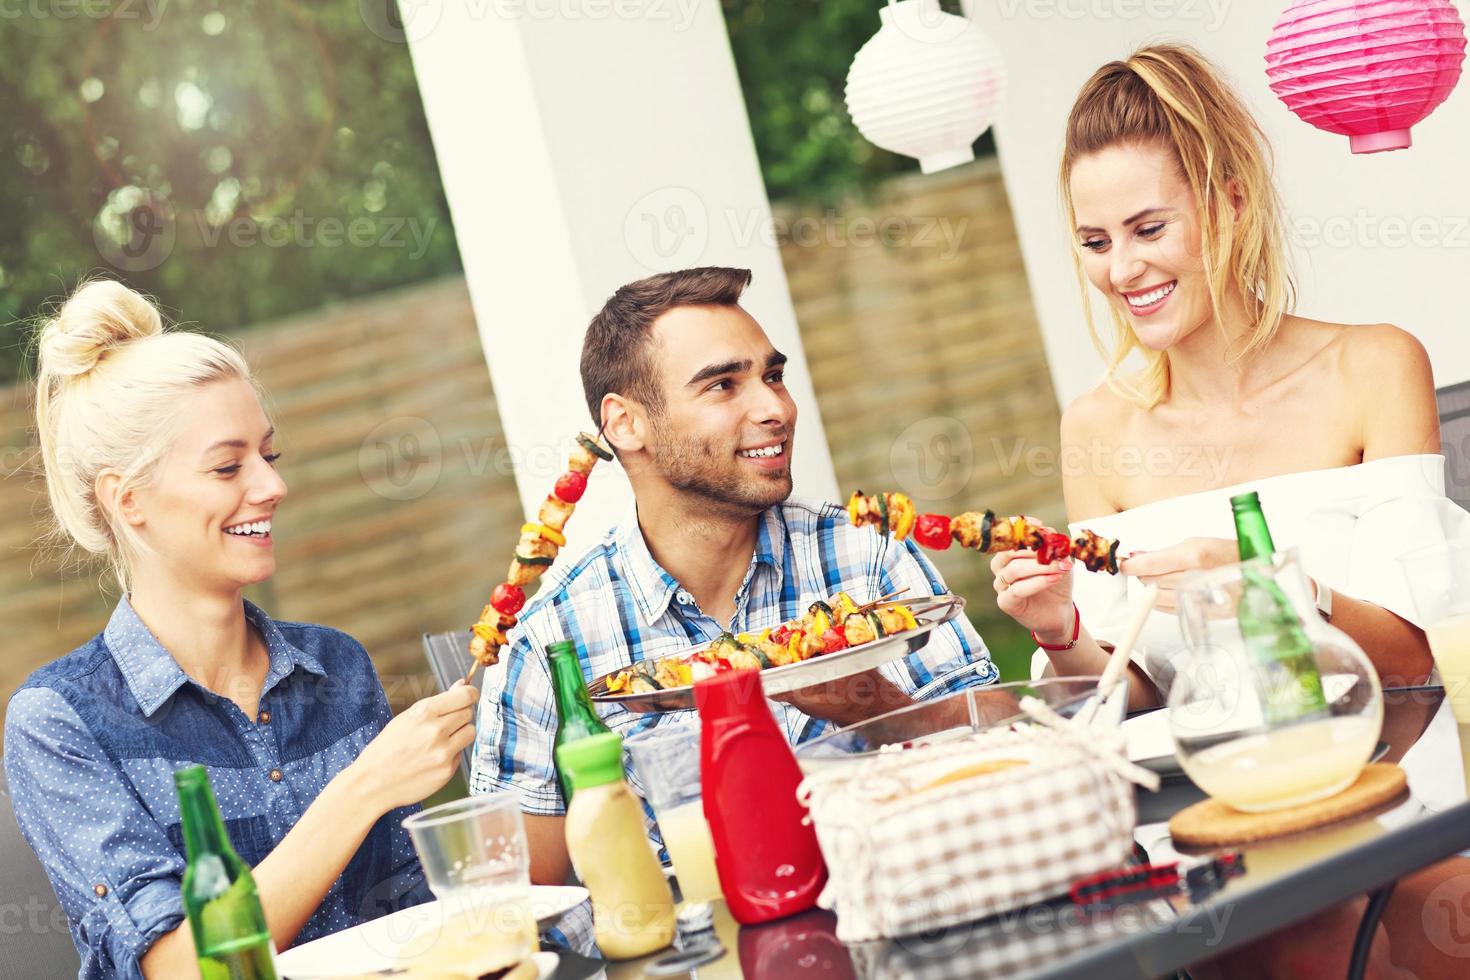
(1367, 69)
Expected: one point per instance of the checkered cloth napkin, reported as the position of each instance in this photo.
(904, 856)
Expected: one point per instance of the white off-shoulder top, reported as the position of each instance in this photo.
(1349, 524)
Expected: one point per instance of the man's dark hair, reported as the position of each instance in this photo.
(617, 353)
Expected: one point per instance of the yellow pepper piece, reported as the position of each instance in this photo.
(907, 514)
(489, 634)
(820, 623)
(554, 537)
(909, 622)
(793, 645)
(852, 505)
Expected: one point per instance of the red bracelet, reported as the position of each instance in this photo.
(1076, 632)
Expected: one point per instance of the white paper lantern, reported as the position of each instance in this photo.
(926, 85)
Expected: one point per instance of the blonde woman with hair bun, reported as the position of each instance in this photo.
(1214, 386)
(160, 461)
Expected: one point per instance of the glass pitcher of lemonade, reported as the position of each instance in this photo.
(1231, 732)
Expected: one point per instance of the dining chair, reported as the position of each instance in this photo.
(1454, 437)
(37, 942)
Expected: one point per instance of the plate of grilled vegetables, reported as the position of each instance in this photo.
(834, 638)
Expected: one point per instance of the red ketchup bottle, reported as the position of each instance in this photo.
(769, 862)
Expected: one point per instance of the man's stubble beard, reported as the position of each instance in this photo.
(692, 466)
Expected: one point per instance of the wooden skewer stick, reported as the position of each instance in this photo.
(1121, 655)
(882, 598)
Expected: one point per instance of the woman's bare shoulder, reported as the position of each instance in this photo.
(1385, 371)
(1376, 347)
(1092, 426)
(1365, 351)
(1099, 413)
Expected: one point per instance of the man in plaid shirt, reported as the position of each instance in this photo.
(688, 391)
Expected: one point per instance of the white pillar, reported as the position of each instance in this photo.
(584, 144)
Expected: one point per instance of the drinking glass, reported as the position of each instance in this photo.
(1270, 706)
(1439, 580)
(666, 762)
(478, 864)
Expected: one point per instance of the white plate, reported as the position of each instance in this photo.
(374, 945)
(1149, 736)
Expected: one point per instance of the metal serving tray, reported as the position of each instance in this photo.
(930, 612)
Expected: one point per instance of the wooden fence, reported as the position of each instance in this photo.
(925, 356)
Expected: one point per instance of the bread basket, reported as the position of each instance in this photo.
(942, 834)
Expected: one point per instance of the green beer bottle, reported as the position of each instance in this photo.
(230, 935)
(575, 715)
(1251, 533)
(1272, 630)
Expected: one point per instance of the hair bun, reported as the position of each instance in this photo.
(98, 318)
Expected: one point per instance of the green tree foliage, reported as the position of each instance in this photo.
(241, 160)
(245, 159)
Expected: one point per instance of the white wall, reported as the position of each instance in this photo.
(1356, 217)
(584, 146)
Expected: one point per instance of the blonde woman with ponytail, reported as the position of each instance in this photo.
(1214, 386)
(160, 461)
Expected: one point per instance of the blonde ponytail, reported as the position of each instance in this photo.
(1169, 95)
(108, 381)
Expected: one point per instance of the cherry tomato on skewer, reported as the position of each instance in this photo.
(932, 531)
(570, 486)
(1054, 547)
(834, 639)
(508, 598)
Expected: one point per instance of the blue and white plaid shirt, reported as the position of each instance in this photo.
(620, 606)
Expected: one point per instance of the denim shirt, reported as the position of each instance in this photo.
(91, 744)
